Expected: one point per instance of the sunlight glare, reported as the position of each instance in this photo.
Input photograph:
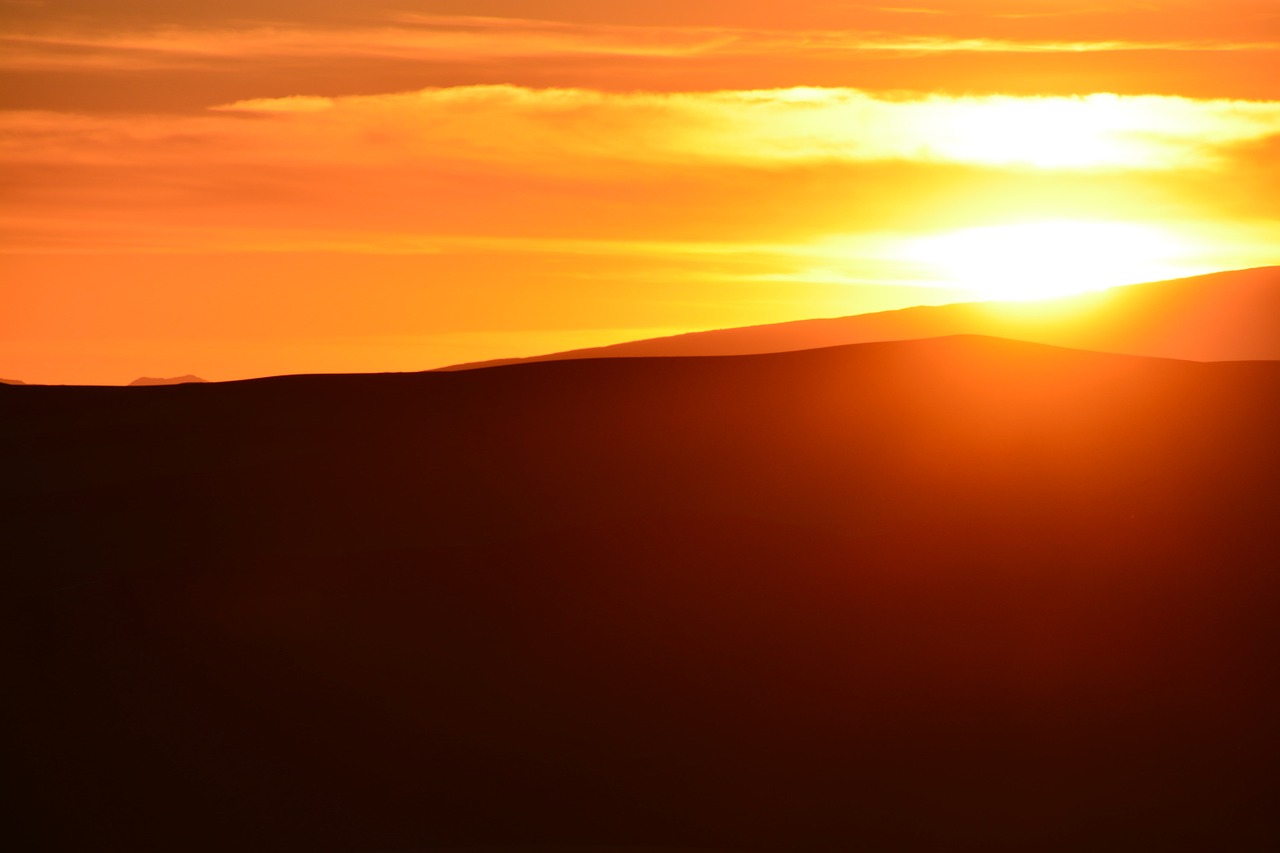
(1040, 260)
(1052, 133)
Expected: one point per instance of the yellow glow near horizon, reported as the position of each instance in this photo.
(1039, 260)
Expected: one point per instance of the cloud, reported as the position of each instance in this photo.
(578, 130)
(435, 38)
(479, 169)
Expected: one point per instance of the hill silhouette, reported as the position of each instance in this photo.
(176, 380)
(12, 382)
(961, 593)
(1227, 316)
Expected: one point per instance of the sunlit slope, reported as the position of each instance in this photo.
(961, 593)
(1227, 316)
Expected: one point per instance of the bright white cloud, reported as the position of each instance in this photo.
(577, 131)
(781, 126)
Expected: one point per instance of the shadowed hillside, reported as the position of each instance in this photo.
(1228, 316)
(956, 594)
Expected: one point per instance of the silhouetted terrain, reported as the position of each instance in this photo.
(176, 380)
(956, 594)
(1227, 316)
(12, 382)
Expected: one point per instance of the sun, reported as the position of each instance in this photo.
(1039, 260)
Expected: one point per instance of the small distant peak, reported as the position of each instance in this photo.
(12, 382)
(176, 380)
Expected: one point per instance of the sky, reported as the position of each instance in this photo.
(258, 187)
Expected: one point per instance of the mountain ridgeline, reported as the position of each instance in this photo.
(953, 594)
(1226, 316)
(174, 380)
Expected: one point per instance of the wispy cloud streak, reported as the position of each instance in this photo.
(444, 39)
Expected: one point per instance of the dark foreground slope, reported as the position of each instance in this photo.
(1227, 316)
(961, 594)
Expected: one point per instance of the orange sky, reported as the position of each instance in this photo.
(275, 186)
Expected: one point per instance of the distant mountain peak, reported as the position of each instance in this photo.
(12, 382)
(1232, 315)
(176, 380)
